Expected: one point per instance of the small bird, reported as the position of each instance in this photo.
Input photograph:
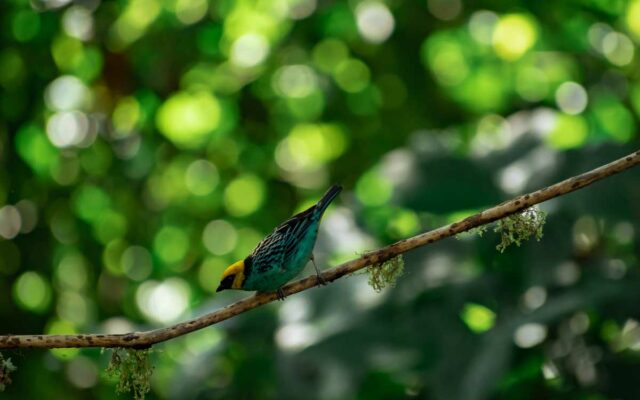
(281, 255)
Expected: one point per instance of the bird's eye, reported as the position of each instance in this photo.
(228, 281)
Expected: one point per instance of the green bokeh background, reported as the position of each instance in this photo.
(147, 144)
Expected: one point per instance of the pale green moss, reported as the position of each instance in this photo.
(6, 368)
(518, 228)
(386, 274)
(515, 228)
(478, 230)
(133, 369)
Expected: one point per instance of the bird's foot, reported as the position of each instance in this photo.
(280, 294)
(320, 280)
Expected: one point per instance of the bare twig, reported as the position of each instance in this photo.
(149, 338)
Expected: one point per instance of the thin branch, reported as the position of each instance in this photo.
(149, 338)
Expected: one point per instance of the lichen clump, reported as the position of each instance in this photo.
(386, 274)
(6, 368)
(133, 369)
(478, 230)
(518, 228)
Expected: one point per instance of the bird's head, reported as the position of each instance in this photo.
(232, 277)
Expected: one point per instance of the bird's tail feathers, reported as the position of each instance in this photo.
(327, 198)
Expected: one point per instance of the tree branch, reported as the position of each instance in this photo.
(149, 338)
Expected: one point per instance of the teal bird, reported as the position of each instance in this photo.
(281, 255)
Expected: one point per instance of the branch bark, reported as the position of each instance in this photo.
(149, 338)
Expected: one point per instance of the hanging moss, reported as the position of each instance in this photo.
(133, 369)
(6, 368)
(386, 274)
(515, 228)
(478, 230)
(518, 228)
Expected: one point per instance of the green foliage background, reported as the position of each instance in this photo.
(147, 144)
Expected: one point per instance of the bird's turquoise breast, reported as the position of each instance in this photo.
(277, 275)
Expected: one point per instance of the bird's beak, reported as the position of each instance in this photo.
(219, 289)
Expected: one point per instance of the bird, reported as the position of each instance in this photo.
(282, 254)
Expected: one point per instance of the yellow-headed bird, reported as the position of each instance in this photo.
(281, 255)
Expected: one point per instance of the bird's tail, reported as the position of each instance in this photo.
(327, 198)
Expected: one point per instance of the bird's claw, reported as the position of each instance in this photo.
(320, 280)
(280, 294)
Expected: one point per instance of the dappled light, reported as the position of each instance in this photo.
(146, 145)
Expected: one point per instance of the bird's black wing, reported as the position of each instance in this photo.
(296, 228)
(269, 252)
(280, 243)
